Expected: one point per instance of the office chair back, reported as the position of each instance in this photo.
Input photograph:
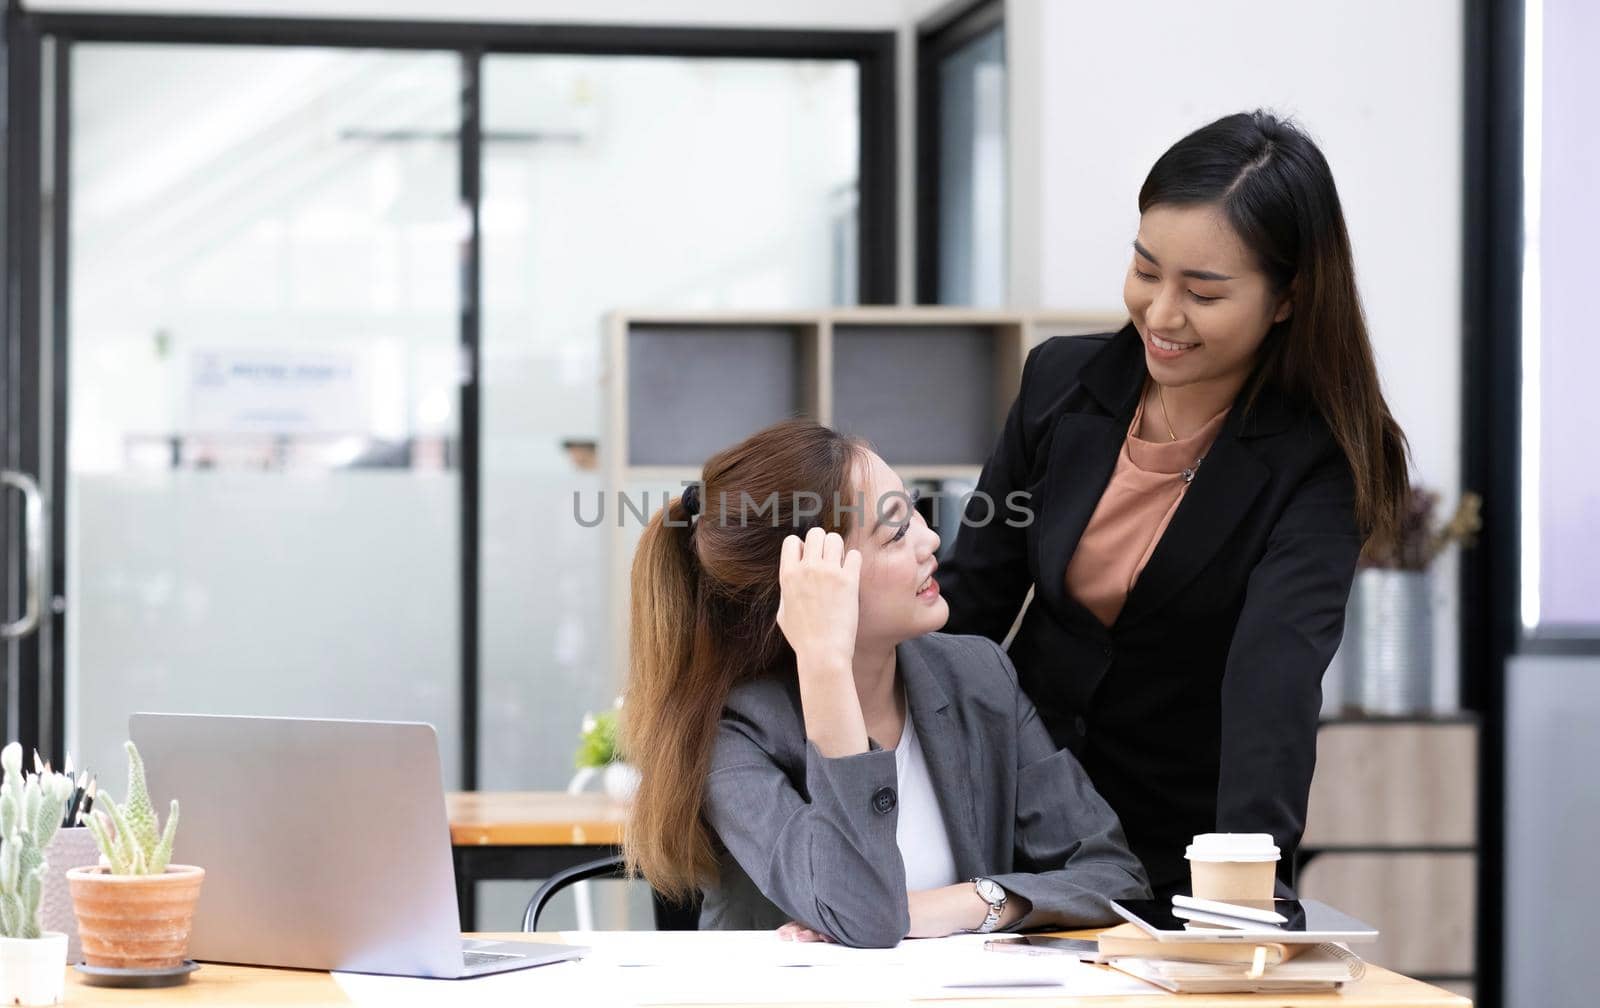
(669, 916)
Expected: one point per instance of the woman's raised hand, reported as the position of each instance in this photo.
(820, 583)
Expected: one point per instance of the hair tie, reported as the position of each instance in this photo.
(691, 499)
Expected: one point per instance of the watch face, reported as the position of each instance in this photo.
(989, 890)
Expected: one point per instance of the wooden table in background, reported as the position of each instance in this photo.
(526, 836)
(227, 986)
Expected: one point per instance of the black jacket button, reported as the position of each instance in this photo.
(883, 800)
(1080, 726)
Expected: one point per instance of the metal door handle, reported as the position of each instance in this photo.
(33, 539)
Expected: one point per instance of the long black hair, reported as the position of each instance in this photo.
(1275, 188)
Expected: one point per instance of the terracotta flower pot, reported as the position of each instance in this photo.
(135, 921)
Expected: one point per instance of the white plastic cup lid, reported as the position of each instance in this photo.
(1232, 847)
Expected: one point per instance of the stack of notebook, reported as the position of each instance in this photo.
(1230, 967)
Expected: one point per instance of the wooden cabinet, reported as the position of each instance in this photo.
(1391, 837)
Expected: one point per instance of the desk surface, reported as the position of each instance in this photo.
(533, 818)
(224, 986)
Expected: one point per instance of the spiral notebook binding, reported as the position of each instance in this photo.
(1358, 965)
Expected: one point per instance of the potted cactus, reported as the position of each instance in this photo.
(33, 961)
(135, 910)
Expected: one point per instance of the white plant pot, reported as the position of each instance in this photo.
(620, 781)
(33, 971)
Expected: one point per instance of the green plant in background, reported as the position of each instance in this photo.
(139, 846)
(30, 813)
(597, 746)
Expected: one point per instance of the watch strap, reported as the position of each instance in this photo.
(991, 920)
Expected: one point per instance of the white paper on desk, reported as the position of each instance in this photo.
(666, 968)
(700, 949)
(561, 983)
(737, 967)
(960, 967)
(766, 985)
(1017, 981)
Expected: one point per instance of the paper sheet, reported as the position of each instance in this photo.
(626, 968)
(562, 983)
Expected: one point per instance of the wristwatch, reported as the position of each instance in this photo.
(990, 892)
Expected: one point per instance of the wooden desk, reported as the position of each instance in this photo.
(227, 986)
(534, 819)
(526, 836)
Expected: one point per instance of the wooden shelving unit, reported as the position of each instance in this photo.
(929, 387)
(1391, 837)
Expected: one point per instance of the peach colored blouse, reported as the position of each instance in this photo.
(1134, 511)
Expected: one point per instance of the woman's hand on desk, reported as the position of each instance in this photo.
(952, 908)
(934, 914)
(795, 931)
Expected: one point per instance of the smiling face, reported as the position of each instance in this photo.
(899, 597)
(1201, 304)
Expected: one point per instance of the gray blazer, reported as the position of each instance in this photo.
(812, 839)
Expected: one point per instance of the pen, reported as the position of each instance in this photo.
(74, 799)
(88, 799)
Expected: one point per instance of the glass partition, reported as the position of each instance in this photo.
(617, 182)
(262, 389)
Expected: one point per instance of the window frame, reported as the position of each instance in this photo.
(937, 39)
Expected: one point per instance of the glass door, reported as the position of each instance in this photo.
(612, 182)
(288, 258)
(262, 465)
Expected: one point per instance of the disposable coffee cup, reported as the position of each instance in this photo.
(1233, 866)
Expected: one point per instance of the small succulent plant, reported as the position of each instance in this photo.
(138, 846)
(30, 813)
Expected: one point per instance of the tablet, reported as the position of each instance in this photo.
(1306, 921)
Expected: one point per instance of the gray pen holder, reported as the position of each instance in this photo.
(71, 848)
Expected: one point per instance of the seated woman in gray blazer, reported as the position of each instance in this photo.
(812, 753)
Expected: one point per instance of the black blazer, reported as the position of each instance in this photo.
(1196, 711)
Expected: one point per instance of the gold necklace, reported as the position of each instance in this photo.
(1162, 395)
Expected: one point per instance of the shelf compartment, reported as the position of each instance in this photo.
(693, 390)
(925, 394)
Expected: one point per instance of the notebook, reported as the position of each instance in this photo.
(1323, 968)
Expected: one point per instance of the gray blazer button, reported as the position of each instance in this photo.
(883, 800)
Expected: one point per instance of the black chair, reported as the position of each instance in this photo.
(669, 916)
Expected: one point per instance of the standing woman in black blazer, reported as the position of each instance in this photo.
(1200, 485)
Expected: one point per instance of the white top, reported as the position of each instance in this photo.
(1232, 847)
(919, 831)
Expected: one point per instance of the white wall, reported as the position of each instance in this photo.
(1100, 90)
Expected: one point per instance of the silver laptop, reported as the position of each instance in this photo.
(325, 845)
